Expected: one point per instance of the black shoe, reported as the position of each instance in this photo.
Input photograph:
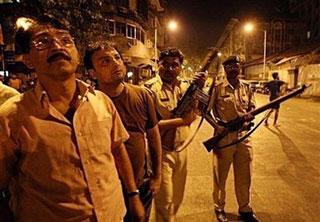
(248, 217)
(221, 216)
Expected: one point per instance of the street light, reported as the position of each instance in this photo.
(172, 25)
(155, 41)
(248, 28)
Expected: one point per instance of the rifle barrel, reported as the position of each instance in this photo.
(278, 100)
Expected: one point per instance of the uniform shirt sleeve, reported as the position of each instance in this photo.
(154, 93)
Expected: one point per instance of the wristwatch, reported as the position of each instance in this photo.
(133, 193)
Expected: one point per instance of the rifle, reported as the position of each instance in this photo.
(237, 124)
(194, 91)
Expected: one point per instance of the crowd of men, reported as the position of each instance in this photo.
(69, 152)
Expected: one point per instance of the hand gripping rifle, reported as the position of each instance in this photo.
(194, 91)
(237, 124)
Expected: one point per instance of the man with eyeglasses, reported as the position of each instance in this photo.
(233, 100)
(61, 143)
(168, 89)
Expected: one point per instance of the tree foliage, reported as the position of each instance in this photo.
(86, 17)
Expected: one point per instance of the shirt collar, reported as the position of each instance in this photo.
(226, 83)
(84, 89)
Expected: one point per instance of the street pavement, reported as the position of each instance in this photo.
(286, 169)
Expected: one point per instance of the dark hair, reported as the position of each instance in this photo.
(275, 75)
(94, 47)
(23, 35)
(171, 52)
(232, 59)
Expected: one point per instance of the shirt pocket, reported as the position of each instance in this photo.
(100, 136)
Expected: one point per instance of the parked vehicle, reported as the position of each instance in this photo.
(261, 87)
(252, 84)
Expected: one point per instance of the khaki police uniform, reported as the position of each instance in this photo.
(174, 164)
(229, 104)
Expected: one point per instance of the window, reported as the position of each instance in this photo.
(111, 27)
(121, 28)
(131, 31)
(308, 34)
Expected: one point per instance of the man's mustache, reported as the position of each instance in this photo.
(55, 55)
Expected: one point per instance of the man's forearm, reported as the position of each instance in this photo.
(126, 173)
(171, 123)
(154, 141)
(124, 167)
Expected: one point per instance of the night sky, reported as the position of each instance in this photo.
(202, 21)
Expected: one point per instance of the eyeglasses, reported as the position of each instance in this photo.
(45, 41)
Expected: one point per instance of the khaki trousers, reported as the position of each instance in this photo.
(240, 155)
(174, 174)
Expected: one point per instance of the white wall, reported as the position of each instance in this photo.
(310, 74)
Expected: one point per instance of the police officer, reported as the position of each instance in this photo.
(233, 100)
(168, 90)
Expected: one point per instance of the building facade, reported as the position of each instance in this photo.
(132, 25)
(309, 12)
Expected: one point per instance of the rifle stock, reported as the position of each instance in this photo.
(212, 143)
